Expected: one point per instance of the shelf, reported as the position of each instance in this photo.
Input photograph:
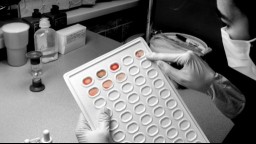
(100, 9)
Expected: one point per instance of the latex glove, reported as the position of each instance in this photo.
(195, 74)
(85, 134)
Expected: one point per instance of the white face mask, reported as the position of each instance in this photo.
(238, 54)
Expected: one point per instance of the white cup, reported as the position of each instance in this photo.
(16, 41)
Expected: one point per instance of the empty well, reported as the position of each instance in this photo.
(114, 95)
(152, 130)
(158, 83)
(140, 109)
(152, 101)
(184, 125)
(113, 125)
(134, 70)
(146, 119)
(165, 122)
(191, 135)
(171, 104)
(159, 139)
(146, 64)
(146, 91)
(140, 80)
(128, 87)
(172, 133)
(164, 94)
(178, 114)
(152, 74)
(120, 106)
(133, 127)
(133, 98)
(119, 136)
(100, 103)
(128, 60)
(126, 116)
(159, 111)
(139, 138)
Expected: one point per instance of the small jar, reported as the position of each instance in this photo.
(36, 64)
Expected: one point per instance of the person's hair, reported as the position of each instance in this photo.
(247, 7)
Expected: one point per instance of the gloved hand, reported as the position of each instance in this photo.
(85, 134)
(195, 74)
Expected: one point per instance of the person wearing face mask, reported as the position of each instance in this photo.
(233, 93)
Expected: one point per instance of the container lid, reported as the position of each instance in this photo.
(35, 57)
(16, 27)
(55, 9)
(44, 23)
(36, 14)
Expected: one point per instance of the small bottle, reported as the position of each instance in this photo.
(33, 21)
(46, 41)
(58, 19)
(46, 137)
(35, 61)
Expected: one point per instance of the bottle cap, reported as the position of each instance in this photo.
(55, 9)
(46, 137)
(35, 57)
(44, 23)
(36, 14)
(37, 85)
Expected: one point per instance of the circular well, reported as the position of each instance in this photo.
(139, 54)
(146, 64)
(172, 133)
(140, 109)
(114, 95)
(133, 98)
(171, 104)
(133, 128)
(178, 114)
(87, 81)
(101, 74)
(158, 83)
(165, 122)
(120, 106)
(152, 130)
(114, 67)
(121, 77)
(152, 101)
(152, 73)
(146, 91)
(128, 60)
(165, 94)
(100, 103)
(134, 70)
(184, 125)
(126, 116)
(107, 84)
(191, 136)
(146, 119)
(159, 111)
(139, 138)
(94, 92)
(159, 139)
(140, 80)
(128, 87)
(113, 125)
(119, 136)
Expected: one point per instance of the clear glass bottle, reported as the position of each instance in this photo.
(45, 41)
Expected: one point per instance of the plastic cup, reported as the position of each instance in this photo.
(16, 41)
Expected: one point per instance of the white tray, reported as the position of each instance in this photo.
(145, 106)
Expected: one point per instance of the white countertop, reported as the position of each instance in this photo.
(100, 9)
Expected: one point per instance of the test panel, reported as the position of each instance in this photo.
(145, 106)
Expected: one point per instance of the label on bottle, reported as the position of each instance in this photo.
(41, 42)
(78, 35)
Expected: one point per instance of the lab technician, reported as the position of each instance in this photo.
(232, 94)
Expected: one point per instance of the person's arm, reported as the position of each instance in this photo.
(197, 75)
(226, 96)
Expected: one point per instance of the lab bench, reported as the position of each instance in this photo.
(24, 114)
